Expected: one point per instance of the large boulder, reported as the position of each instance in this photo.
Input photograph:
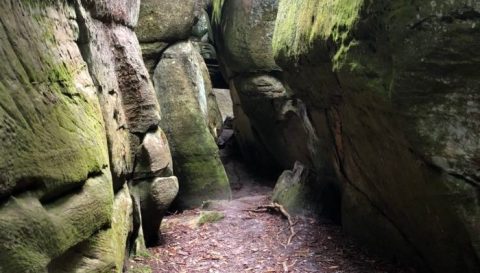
(244, 32)
(165, 20)
(396, 83)
(55, 184)
(138, 148)
(73, 74)
(155, 196)
(162, 23)
(104, 252)
(190, 119)
(272, 126)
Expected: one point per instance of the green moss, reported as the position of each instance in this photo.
(144, 254)
(302, 22)
(140, 268)
(207, 217)
(217, 11)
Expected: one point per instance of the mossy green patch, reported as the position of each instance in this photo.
(140, 268)
(217, 11)
(207, 217)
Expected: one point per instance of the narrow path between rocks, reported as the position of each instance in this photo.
(247, 241)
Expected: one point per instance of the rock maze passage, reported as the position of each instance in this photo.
(226, 136)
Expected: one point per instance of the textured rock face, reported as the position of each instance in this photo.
(162, 23)
(397, 84)
(165, 20)
(56, 188)
(291, 190)
(139, 150)
(77, 107)
(272, 127)
(245, 41)
(184, 90)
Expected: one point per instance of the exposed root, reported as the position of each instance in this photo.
(275, 207)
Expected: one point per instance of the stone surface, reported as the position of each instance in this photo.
(155, 196)
(224, 102)
(33, 233)
(243, 33)
(397, 85)
(153, 157)
(292, 190)
(104, 252)
(124, 12)
(48, 105)
(272, 126)
(165, 20)
(182, 86)
(76, 103)
(94, 42)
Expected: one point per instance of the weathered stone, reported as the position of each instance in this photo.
(155, 196)
(243, 33)
(251, 148)
(51, 128)
(153, 157)
(124, 12)
(208, 217)
(165, 20)
(224, 102)
(202, 30)
(57, 209)
(152, 53)
(105, 251)
(183, 87)
(94, 42)
(138, 96)
(398, 84)
(292, 190)
(33, 233)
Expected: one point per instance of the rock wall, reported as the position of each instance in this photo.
(397, 84)
(174, 35)
(272, 126)
(79, 127)
(390, 89)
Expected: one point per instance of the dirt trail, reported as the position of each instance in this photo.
(246, 241)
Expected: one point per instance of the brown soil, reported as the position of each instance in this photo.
(254, 242)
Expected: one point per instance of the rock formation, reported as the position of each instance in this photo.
(272, 125)
(391, 107)
(396, 84)
(190, 115)
(79, 119)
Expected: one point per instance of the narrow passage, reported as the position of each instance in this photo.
(229, 237)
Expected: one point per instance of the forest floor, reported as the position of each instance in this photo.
(237, 237)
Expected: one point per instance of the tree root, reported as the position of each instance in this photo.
(275, 207)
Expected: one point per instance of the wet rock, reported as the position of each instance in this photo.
(190, 120)
(397, 84)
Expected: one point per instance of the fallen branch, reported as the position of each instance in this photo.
(278, 208)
